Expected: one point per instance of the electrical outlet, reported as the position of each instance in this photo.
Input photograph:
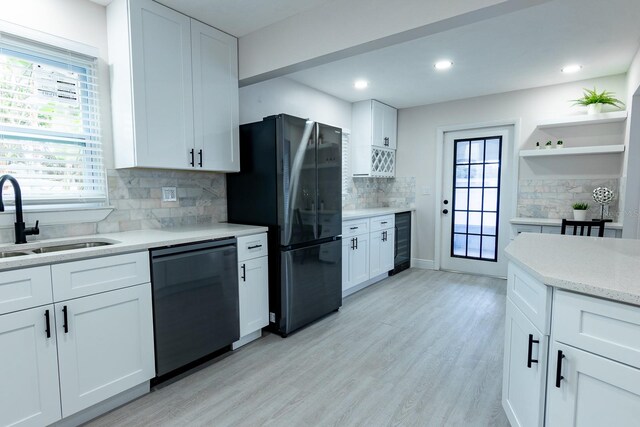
(169, 194)
(272, 317)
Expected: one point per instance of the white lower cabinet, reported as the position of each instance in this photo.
(381, 254)
(355, 261)
(588, 390)
(29, 386)
(524, 372)
(105, 345)
(254, 295)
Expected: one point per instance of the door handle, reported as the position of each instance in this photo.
(244, 272)
(559, 376)
(47, 328)
(65, 320)
(193, 160)
(200, 154)
(530, 351)
(445, 211)
(446, 202)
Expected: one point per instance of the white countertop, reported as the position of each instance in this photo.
(556, 222)
(369, 212)
(130, 241)
(602, 267)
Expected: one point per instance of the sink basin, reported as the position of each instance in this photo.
(69, 247)
(12, 254)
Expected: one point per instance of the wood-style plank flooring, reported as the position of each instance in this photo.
(422, 348)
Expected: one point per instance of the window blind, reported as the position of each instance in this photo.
(50, 124)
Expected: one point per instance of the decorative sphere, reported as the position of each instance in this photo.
(603, 195)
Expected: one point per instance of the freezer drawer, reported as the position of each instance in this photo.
(311, 284)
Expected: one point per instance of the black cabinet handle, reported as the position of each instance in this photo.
(356, 243)
(383, 222)
(559, 376)
(47, 328)
(353, 228)
(530, 351)
(193, 160)
(353, 244)
(200, 154)
(65, 322)
(244, 272)
(254, 247)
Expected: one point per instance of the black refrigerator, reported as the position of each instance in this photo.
(290, 181)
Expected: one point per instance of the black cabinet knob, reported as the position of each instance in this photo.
(445, 211)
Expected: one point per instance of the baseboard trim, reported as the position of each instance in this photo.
(363, 285)
(247, 339)
(424, 264)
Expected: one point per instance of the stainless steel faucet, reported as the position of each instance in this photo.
(21, 231)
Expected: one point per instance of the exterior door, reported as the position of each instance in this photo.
(594, 391)
(106, 347)
(329, 181)
(297, 180)
(29, 388)
(476, 197)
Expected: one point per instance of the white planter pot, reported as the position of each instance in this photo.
(579, 215)
(594, 108)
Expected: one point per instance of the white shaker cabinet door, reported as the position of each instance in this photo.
(524, 371)
(359, 260)
(391, 126)
(253, 277)
(29, 393)
(105, 345)
(162, 86)
(587, 390)
(215, 96)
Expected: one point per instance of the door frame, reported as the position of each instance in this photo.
(515, 159)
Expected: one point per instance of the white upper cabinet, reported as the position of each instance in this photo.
(174, 90)
(374, 139)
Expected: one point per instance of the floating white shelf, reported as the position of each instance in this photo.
(593, 119)
(573, 151)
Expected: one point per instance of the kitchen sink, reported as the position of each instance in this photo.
(69, 247)
(12, 254)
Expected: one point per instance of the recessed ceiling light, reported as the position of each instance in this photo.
(443, 65)
(574, 68)
(361, 84)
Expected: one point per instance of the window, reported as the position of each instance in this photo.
(49, 124)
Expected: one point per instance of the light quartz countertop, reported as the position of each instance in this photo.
(602, 267)
(129, 241)
(369, 212)
(556, 222)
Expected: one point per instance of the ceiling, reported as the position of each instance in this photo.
(516, 51)
(238, 17)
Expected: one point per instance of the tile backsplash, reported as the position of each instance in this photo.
(552, 198)
(136, 195)
(380, 192)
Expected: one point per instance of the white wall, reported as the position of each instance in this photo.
(77, 20)
(283, 95)
(631, 174)
(417, 127)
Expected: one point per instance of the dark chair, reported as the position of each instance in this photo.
(588, 225)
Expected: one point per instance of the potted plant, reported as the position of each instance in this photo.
(548, 145)
(594, 100)
(560, 144)
(580, 211)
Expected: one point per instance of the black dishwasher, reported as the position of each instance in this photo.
(195, 302)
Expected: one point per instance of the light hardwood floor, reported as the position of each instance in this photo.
(422, 348)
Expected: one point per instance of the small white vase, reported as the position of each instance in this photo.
(594, 108)
(579, 215)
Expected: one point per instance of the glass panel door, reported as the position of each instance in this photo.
(475, 219)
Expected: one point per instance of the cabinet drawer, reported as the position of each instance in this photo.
(531, 296)
(250, 247)
(25, 288)
(383, 222)
(91, 276)
(607, 328)
(355, 227)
